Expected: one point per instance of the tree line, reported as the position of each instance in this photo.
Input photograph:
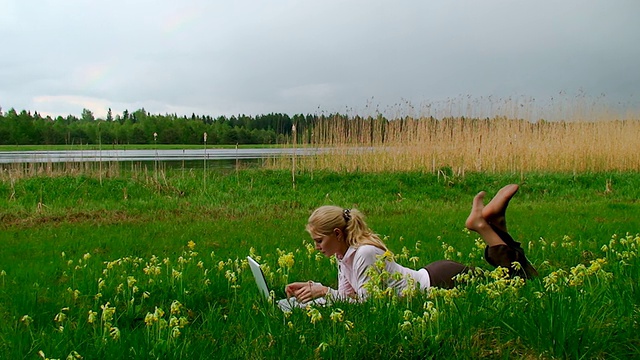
(141, 127)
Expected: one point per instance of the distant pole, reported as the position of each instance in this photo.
(293, 162)
(100, 152)
(204, 174)
(155, 145)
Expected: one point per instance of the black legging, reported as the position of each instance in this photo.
(442, 272)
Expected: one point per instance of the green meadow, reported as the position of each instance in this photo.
(149, 265)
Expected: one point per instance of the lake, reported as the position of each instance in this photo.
(62, 156)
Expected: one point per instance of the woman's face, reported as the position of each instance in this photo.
(331, 244)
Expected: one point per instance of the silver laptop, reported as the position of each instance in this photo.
(286, 304)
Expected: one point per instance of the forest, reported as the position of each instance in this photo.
(139, 127)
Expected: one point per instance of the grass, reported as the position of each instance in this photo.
(160, 266)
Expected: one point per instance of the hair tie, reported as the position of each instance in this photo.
(347, 215)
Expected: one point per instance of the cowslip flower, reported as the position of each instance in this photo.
(91, 318)
(114, 332)
(175, 307)
(314, 315)
(337, 315)
(26, 320)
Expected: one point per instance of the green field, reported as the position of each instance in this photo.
(152, 266)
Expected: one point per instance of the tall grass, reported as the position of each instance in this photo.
(491, 145)
(489, 135)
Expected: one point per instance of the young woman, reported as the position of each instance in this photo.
(344, 233)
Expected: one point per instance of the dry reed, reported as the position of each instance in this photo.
(485, 145)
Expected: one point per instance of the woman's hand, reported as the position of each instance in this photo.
(305, 291)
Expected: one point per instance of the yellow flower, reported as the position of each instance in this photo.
(150, 319)
(114, 332)
(91, 318)
(74, 355)
(26, 320)
(405, 326)
(348, 325)
(175, 307)
(107, 312)
(337, 315)
(286, 260)
(191, 245)
(314, 314)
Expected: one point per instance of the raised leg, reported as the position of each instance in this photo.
(476, 222)
(495, 211)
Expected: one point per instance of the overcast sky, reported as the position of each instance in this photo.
(255, 57)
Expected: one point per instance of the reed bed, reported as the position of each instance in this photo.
(460, 144)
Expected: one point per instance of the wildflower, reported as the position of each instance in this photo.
(414, 260)
(175, 307)
(337, 315)
(74, 293)
(131, 281)
(231, 276)
(322, 347)
(91, 318)
(145, 295)
(191, 245)
(314, 314)
(173, 321)
(114, 332)
(61, 316)
(405, 326)
(176, 274)
(74, 355)
(290, 325)
(26, 320)
(348, 325)
(86, 256)
(183, 321)
(516, 266)
(159, 313)
(175, 332)
(286, 260)
(149, 319)
(107, 312)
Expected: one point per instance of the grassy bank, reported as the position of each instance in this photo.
(88, 264)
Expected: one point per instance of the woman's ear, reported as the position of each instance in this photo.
(338, 233)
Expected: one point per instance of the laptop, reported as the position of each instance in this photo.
(286, 304)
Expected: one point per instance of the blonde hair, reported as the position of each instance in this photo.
(350, 221)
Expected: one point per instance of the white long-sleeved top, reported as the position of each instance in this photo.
(352, 273)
